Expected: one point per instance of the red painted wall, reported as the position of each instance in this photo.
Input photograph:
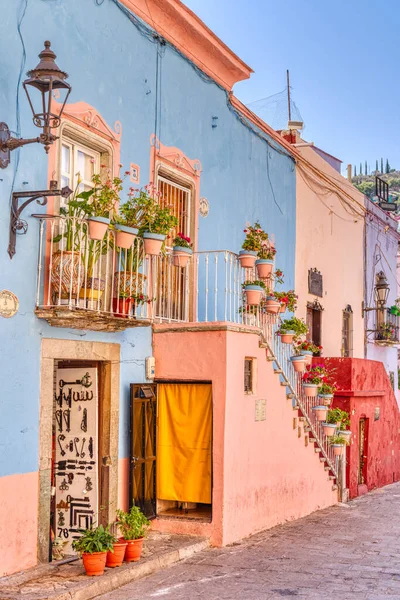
(363, 386)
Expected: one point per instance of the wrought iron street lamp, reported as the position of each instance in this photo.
(381, 290)
(44, 82)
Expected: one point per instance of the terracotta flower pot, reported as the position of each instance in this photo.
(153, 242)
(338, 449)
(122, 307)
(98, 227)
(346, 434)
(247, 259)
(264, 267)
(320, 412)
(181, 256)
(67, 273)
(116, 558)
(253, 294)
(308, 355)
(329, 429)
(125, 236)
(299, 364)
(287, 337)
(133, 550)
(310, 390)
(283, 308)
(325, 399)
(94, 563)
(272, 306)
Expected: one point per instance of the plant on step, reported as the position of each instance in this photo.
(288, 298)
(255, 235)
(294, 324)
(94, 539)
(307, 346)
(326, 389)
(338, 440)
(315, 375)
(255, 282)
(133, 525)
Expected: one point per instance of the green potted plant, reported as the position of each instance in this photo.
(93, 545)
(102, 200)
(157, 221)
(325, 393)
(288, 300)
(251, 245)
(289, 328)
(312, 379)
(338, 443)
(254, 291)
(182, 250)
(386, 332)
(133, 526)
(130, 219)
(265, 258)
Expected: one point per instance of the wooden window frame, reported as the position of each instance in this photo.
(249, 389)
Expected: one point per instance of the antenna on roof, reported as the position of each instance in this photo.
(295, 125)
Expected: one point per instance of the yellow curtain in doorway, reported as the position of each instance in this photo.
(184, 442)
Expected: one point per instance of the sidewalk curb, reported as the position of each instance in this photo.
(120, 576)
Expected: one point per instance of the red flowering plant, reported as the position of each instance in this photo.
(300, 345)
(267, 251)
(138, 298)
(255, 235)
(289, 299)
(315, 375)
(275, 277)
(182, 241)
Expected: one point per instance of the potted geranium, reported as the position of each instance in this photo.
(325, 393)
(93, 545)
(299, 363)
(288, 300)
(265, 260)
(182, 250)
(158, 221)
(133, 526)
(125, 303)
(254, 291)
(312, 379)
(338, 443)
(102, 202)
(307, 349)
(289, 328)
(251, 245)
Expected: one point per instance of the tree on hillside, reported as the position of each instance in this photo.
(366, 187)
(381, 165)
(387, 166)
(366, 169)
(355, 171)
(377, 168)
(360, 168)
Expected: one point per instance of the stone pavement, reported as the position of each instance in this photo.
(346, 552)
(69, 582)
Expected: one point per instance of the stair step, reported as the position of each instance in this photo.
(284, 383)
(290, 396)
(263, 345)
(278, 371)
(334, 487)
(322, 458)
(327, 468)
(296, 407)
(271, 358)
(302, 419)
(332, 477)
(317, 450)
(312, 440)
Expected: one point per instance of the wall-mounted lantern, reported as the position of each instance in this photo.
(381, 293)
(43, 83)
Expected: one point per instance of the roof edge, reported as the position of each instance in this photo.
(186, 31)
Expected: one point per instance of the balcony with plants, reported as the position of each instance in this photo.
(387, 328)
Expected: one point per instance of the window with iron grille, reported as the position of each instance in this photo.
(248, 375)
(347, 332)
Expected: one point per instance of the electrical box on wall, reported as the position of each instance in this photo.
(150, 367)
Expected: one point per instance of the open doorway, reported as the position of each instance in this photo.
(171, 450)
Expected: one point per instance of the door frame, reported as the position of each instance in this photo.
(107, 358)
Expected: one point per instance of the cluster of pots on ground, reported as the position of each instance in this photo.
(84, 224)
(100, 548)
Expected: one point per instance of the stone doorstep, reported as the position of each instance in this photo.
(69, 582)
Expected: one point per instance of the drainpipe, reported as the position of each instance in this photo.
(365, 291)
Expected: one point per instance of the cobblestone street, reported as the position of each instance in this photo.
(348, 552)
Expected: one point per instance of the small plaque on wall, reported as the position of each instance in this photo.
(261, 412)
(315, 283)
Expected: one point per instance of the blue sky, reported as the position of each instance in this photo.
(344, 65)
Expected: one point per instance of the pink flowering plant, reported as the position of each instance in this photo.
(267, 251)
(315, 375)
(255, 235)
(182, 241)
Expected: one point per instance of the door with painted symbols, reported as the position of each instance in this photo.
(75, 465)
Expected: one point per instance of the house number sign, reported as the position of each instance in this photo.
(315, 283)
(8, 304)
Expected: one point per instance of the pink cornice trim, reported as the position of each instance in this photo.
(176, 157)
(182, 28)
(87, 116)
